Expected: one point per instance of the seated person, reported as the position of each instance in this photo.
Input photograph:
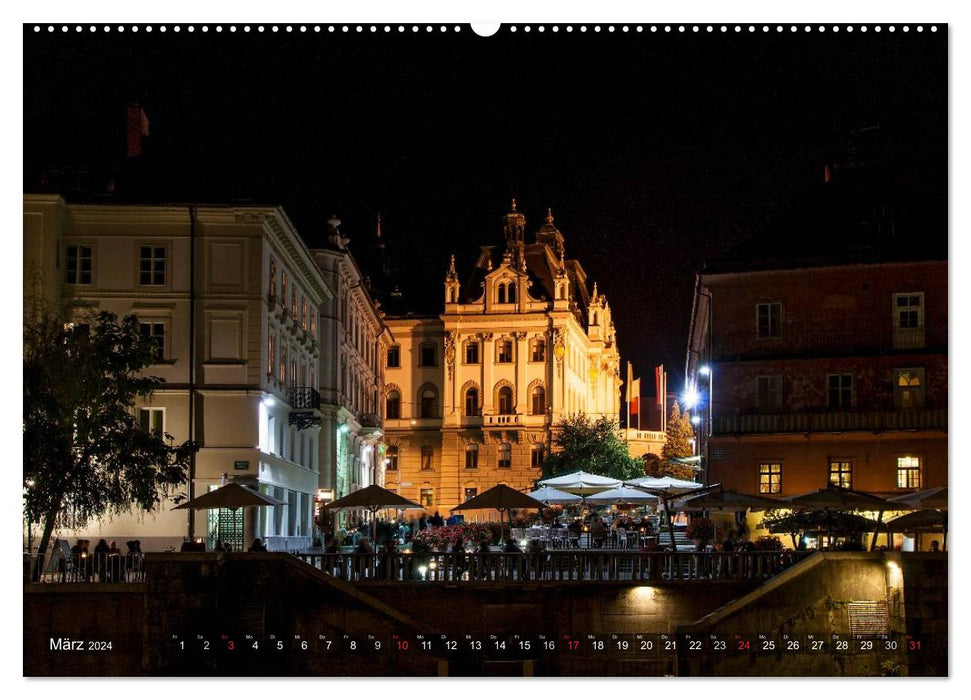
(257, 546)
(511, 546)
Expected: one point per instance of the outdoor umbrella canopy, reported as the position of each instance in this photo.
(835, 497)
(729, 501)
(919, 521)
(622, 494)
(501, 498)
(548, 495)
(581, 483)
(928, 498)
(373, 498)
(232, 496)
(665, 486)
(819, 521)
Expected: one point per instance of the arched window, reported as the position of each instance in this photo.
(428, 401)
(505, 455)
(537, 400)
(511, 294)
(472, 456)
(472, 402)
(391, 459)
(506, 405)
(501, 298)
(392, 407)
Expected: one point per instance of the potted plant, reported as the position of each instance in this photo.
(701, 530)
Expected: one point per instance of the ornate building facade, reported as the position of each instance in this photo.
(471, 395)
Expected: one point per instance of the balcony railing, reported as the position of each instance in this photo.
(370, 420)
(837, 421)
(839, 342)
(503, 419)
(304, 398)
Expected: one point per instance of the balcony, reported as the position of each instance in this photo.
(837, 342)
(502, 419)
(831, 422)
(304, 398)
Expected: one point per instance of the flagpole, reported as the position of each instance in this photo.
(627, 392)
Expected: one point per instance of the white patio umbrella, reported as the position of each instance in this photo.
(622, 494)
(664, 487)
(581, 483)
(549, 495)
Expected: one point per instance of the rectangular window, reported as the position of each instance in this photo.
(908, 310)
(770, 478)
(908, 472)
(156, 333)
(392, 407)
(394, 356)
(840, 391)
(472, 456)
(271, 355)
(304, 308)
(272, 278)
(908, 388)
(504, 351)
(152, 420)
(313, 323)
(768, 393)
(284, 284)
(78, 262)
(505, 455)
(391, 459)
(471, 353)
(426, 497)
(769, 320)
(841, 473)
(283, 366)
(470, 493)
(536, 456)
(427, 454)
(151, 264)
(427, 356)
(538, 350)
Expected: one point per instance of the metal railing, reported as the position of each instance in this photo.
(304, 397)
(830, 421)
(89, 568)
(555, 566)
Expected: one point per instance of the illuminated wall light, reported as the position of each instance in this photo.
(690, 397)
(704, 370)
(695, 420)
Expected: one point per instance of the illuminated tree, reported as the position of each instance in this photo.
(85, 454)
(592, 445)
(678, 445)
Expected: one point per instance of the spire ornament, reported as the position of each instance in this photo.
(549, 215)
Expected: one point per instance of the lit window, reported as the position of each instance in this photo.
(471, 353)
(536, 453)
(426, 497)
(841, 473)
(908, 472)
(304, 308)
(393, 406)
(156, 333)
(78, 270)
(392, 456)
(840, 391)
(908, 388)
(293, 303)
(283, 366)
(152, 420)
(283, 290)
(470, 493)
(151, 265)
(505, 455)
(272, 278)
(427, 455)
(770, 478)
(271, 355)
(472, 456)
(394, 356)
(313, 323)
(769, 320)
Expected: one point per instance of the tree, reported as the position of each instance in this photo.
(678, 445)
(593, 445)
(85, 454)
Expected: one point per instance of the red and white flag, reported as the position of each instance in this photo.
(136, 126)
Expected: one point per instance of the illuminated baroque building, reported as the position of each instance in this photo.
(247, 345)
(471, 395)
(826, 339)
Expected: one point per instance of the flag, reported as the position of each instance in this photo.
(136, 126)
(635, 400)
(658, 384)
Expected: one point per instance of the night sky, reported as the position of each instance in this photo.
(655, 151)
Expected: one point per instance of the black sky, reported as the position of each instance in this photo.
(655, 151)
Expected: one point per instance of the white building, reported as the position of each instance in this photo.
(232, 295)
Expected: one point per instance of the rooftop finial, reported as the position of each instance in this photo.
(514, 204)
(451, 266)
(594, 291)
(378, 232)
(549, 215)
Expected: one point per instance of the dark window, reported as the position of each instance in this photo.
(538, 353)
(538, 401)
(394, 356)
(536, 456)
(841, 473)
(840, 391)
(391, 459)
(511, 294)
(470, 493)
(472, 402)
(78, 264)
(429, 404)
(155, 332)
(471, 353)
(770, 478)
(152, 420)
(472, 456)
(502, 294)
(909, 310)
(151, 265)
(504, 351)
(769, 393)
(393, 406)
(427, 453)
(505, 455)
(505, 401)
(769, 320)
(427, 356)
